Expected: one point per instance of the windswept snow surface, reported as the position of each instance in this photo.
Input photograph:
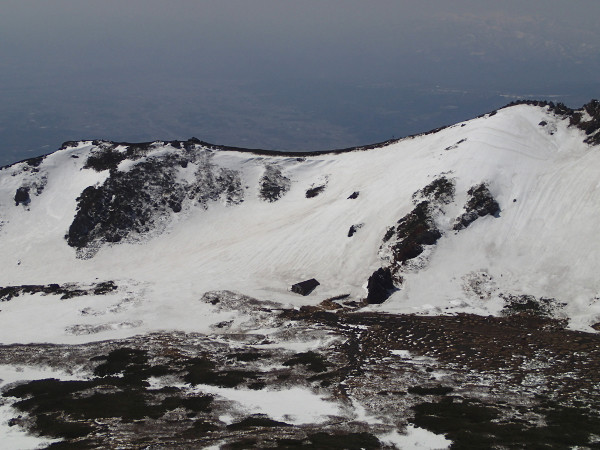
(543, 243)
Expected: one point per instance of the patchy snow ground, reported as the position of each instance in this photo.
(14, 437)
(281, 405)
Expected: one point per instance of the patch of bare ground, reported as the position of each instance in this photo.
(484, 382)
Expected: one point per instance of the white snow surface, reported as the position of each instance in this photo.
(416, 438)
(544, 243)
(282, 405)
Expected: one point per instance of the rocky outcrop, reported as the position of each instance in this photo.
(305, 287)
(480, 203)
(273, 184)
(140, 201)
(408, 239)
(439, 191)
(412, 232)
(66, 291)
(380, 286)
(22, 196)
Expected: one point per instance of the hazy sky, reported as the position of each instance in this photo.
(302, 74)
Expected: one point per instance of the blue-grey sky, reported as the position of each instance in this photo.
(277, 74)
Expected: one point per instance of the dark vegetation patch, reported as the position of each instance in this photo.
(199, 429)
(195, 403)
(273, 184)
(441, 190)
(22, 196)
(528, 304)
(104, 158)
(348, 441)
(430, 390)
(35, 162)
(203, 371)
(31, 162)
(314, 191)
(471, 424)
(480, 203)
(118, 390)
(66, 291)
(247, 356)
(130, 365)
(242, 444)
(331, 440)
(380, 286)
(312, 360)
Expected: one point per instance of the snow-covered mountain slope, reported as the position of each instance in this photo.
(495, 213)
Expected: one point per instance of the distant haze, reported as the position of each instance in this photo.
(276, 74)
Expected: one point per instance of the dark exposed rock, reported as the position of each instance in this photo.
(305, 287)
(413, 231)
(35, 162)
(353, 229)
(66, 291)
(380, 286)
(455, 146)
(273, 184)
(353, 196)
(104, 158)
(406, 240)
(22, 196)
(314, 191)
(132, 204)
(480, 203)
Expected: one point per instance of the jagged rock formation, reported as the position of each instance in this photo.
(480, 203)
(139, 201)
(380, 286)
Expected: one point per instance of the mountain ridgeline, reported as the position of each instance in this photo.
(145, 192)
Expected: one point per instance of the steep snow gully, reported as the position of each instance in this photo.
(493, 217)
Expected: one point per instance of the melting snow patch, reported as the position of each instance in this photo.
(416, 437)
(295, 405)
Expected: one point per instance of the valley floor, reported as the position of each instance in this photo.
(316, 377)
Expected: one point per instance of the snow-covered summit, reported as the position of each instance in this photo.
(495, 213)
